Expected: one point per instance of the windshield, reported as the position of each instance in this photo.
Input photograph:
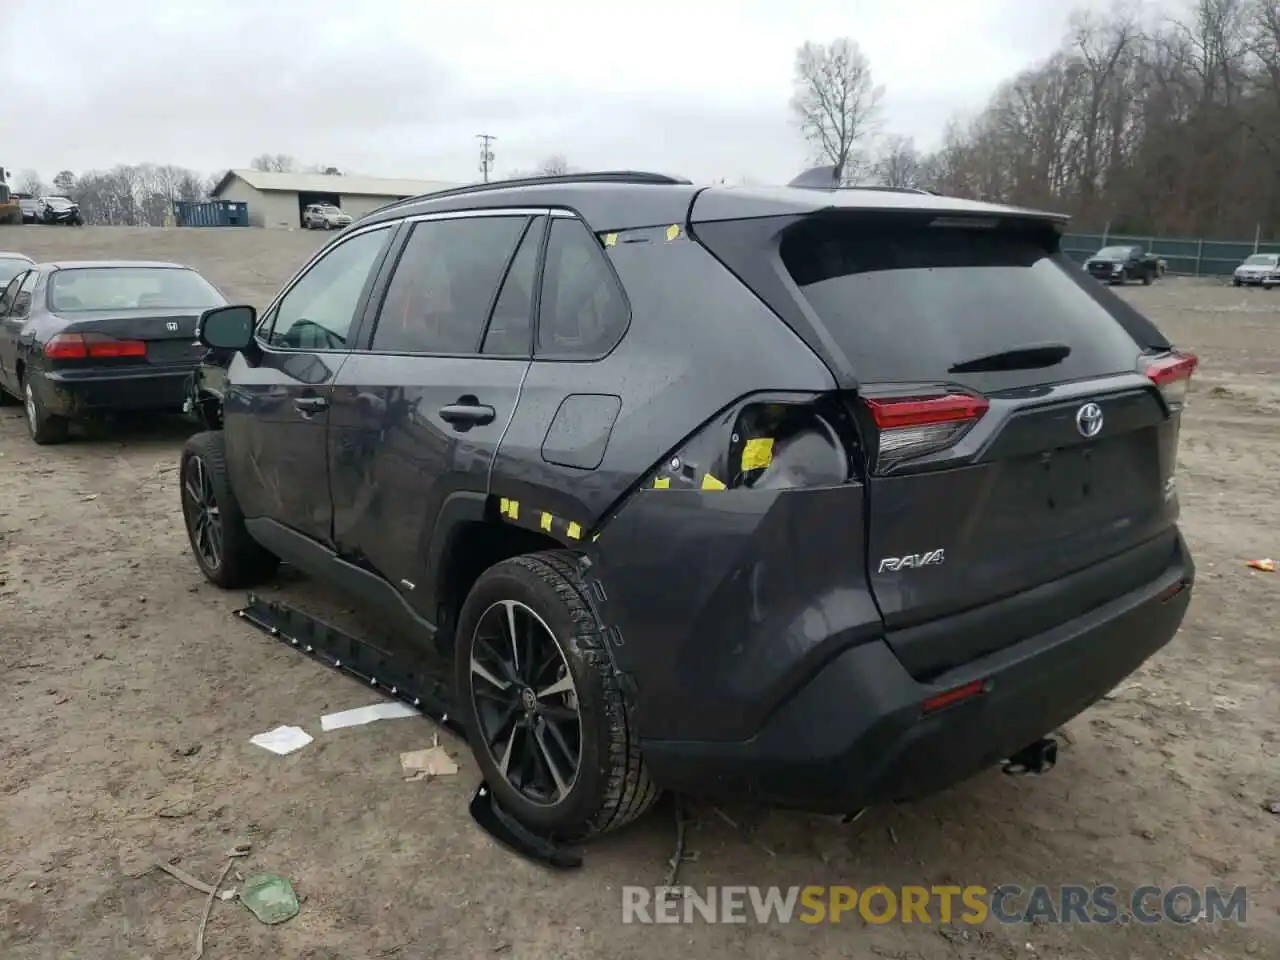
(1261, 260)
(907, 303)
(10, 267)
(1113, 252)
(130, 288)
(328, 209)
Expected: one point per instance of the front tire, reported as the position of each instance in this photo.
(45, 428)
(547, 721)
(223, 549)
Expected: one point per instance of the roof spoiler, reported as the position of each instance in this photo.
(824, 178)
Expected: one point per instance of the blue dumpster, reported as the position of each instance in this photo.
(211, 213)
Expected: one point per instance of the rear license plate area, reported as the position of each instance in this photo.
(1067, 478)
(173, 351)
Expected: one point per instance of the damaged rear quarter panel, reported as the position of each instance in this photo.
(698, 340)
(722, 604)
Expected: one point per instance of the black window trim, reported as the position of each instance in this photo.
(542, 275)
(364, 343)
(260, 334)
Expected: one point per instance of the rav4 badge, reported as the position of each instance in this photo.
(912, 561)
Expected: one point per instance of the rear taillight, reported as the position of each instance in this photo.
(95, 346)
(912, 427)
(1172, 374)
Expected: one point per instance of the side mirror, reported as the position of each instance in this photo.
(227, 328)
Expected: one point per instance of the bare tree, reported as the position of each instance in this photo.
(555, 165)
(29, 182)
(899, 163)
(836, 102)
(65, 182)
(274, 163)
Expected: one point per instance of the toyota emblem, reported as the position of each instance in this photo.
(1089, 420)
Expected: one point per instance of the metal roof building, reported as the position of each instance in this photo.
(277, 199)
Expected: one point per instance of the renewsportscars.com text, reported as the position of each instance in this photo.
(1009, 904)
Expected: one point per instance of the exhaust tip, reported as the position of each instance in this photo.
(1033, 760)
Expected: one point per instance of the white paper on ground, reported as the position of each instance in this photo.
(282, 740)
(386, 710)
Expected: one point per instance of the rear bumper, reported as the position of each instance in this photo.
(857, 734)
(76, 393)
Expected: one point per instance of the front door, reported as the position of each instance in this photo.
(282, 399)
(417, 417)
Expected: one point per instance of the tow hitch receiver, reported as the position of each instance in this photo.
(1035, 759)
(431, 695)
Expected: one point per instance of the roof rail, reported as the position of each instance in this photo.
(595, 176)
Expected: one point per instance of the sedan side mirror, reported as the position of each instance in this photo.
(227, 328)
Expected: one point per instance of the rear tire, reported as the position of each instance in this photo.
(45, 428)
(223, 549)
(1146, 279)
(543, 594)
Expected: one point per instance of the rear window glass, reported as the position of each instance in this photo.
(908, 304)
(130, 288)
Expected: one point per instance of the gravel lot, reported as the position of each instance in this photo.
(131, 693)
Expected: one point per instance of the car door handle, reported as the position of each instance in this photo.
(308, 405)
(467, 414)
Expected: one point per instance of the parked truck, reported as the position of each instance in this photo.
(10, 211)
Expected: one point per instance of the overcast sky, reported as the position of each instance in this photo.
(401, 87)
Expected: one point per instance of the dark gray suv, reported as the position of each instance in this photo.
(821, 496)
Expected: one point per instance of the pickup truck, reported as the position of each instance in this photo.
(1121, 264)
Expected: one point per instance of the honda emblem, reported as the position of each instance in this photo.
(171, 326)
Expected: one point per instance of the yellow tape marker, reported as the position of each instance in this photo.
(662, 483)
(673, 231)
(610, 239)
(513, 509)
(757, 453)
(546, 521)
(575, 531)
(504, 506)
(711, 483)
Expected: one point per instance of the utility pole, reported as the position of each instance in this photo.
(486, 155)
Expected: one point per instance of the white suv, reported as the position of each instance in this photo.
(324, 216)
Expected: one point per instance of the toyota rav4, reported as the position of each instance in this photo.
(821, 496)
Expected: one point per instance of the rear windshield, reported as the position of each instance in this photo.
(906, 304)
(130, 288)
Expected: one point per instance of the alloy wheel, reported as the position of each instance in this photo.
(525, 702)
(204, 519)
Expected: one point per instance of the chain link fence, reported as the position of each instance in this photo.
(1188, 258)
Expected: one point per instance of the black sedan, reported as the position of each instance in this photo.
(99, 336)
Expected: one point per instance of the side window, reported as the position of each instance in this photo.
(439, 296)
(510, 331)
(316, 313)
(10, 293)
(583, 312)
(22, 298)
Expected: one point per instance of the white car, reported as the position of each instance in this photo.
(1260, 270)
(324, 216)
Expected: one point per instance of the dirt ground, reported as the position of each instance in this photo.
(130, 693)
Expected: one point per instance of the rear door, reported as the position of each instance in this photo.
(1013, 443)
(419, 412)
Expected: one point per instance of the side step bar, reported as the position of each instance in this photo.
(429, 694)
